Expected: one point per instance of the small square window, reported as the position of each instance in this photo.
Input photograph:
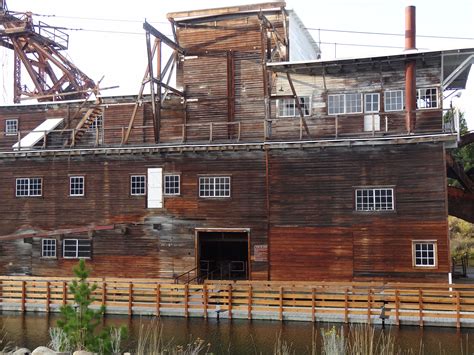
(427, 98)
(372, 102)
(11, 127)
(394, 100)
(48, 248)
(76, 186)
(424, 254)
(137, 185)
(172, 185)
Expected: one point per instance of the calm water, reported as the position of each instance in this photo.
(241, 336)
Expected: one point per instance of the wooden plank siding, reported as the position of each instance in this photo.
(315, 233)
(162, 241)
(377, 77)
(313, 217)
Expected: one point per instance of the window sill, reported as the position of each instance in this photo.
(435, 267)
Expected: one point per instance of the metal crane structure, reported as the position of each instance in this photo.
(37, 48)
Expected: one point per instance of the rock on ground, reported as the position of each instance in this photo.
(43, 350)
(21, 351)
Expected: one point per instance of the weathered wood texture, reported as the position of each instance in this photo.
(162, 243)
(321, 195)
(400, 303)
(377, 77)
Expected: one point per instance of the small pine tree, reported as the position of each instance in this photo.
(80, 322)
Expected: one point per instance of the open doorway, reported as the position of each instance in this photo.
(222, 255)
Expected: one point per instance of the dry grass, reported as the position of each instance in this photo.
(150, 342)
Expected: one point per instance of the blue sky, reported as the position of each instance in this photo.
(120, 56)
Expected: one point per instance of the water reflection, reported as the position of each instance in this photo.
(240, 336)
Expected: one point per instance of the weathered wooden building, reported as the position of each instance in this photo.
(262, 162)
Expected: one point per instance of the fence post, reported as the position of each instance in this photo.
(313, 304)
(23, 296)
(249, 302)
(420, 305)
(48, 296)
(186, 296)
(239, 132)
(158, 299)
(210, 131)
(280, 308)
(369, 306)
(458, 310)
(64, 293)
(130, 298)
(397, 307)
(229, 295)
(346, 306)
(204, 296)
(336, 123)
(104, 292)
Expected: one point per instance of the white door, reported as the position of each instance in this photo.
(155, 188)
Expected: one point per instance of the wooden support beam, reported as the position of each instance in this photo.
(162, 37)
(298, 104)
(456, 171)
(56, 232)
(461, 203)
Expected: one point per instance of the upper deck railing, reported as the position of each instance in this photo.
(338, 127)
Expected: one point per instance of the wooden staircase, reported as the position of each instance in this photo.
(89, 118)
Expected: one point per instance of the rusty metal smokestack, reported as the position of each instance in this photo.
(410, 69)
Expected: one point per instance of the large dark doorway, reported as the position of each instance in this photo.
(223, 255)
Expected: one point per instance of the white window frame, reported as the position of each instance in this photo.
(388, 96)
(425, 100)
(49, 246)
(288, 108)
(136, 190)
(210, 186)
(28, 182)
(169, 190)
(347, 108)
(8, 124)
(432, 260)
(366, 199)
(77, 186)
(76, 242)
(372, 110)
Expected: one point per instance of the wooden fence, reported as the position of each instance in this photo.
(429, 304)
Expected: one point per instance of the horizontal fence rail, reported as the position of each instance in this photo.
(389, 303)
